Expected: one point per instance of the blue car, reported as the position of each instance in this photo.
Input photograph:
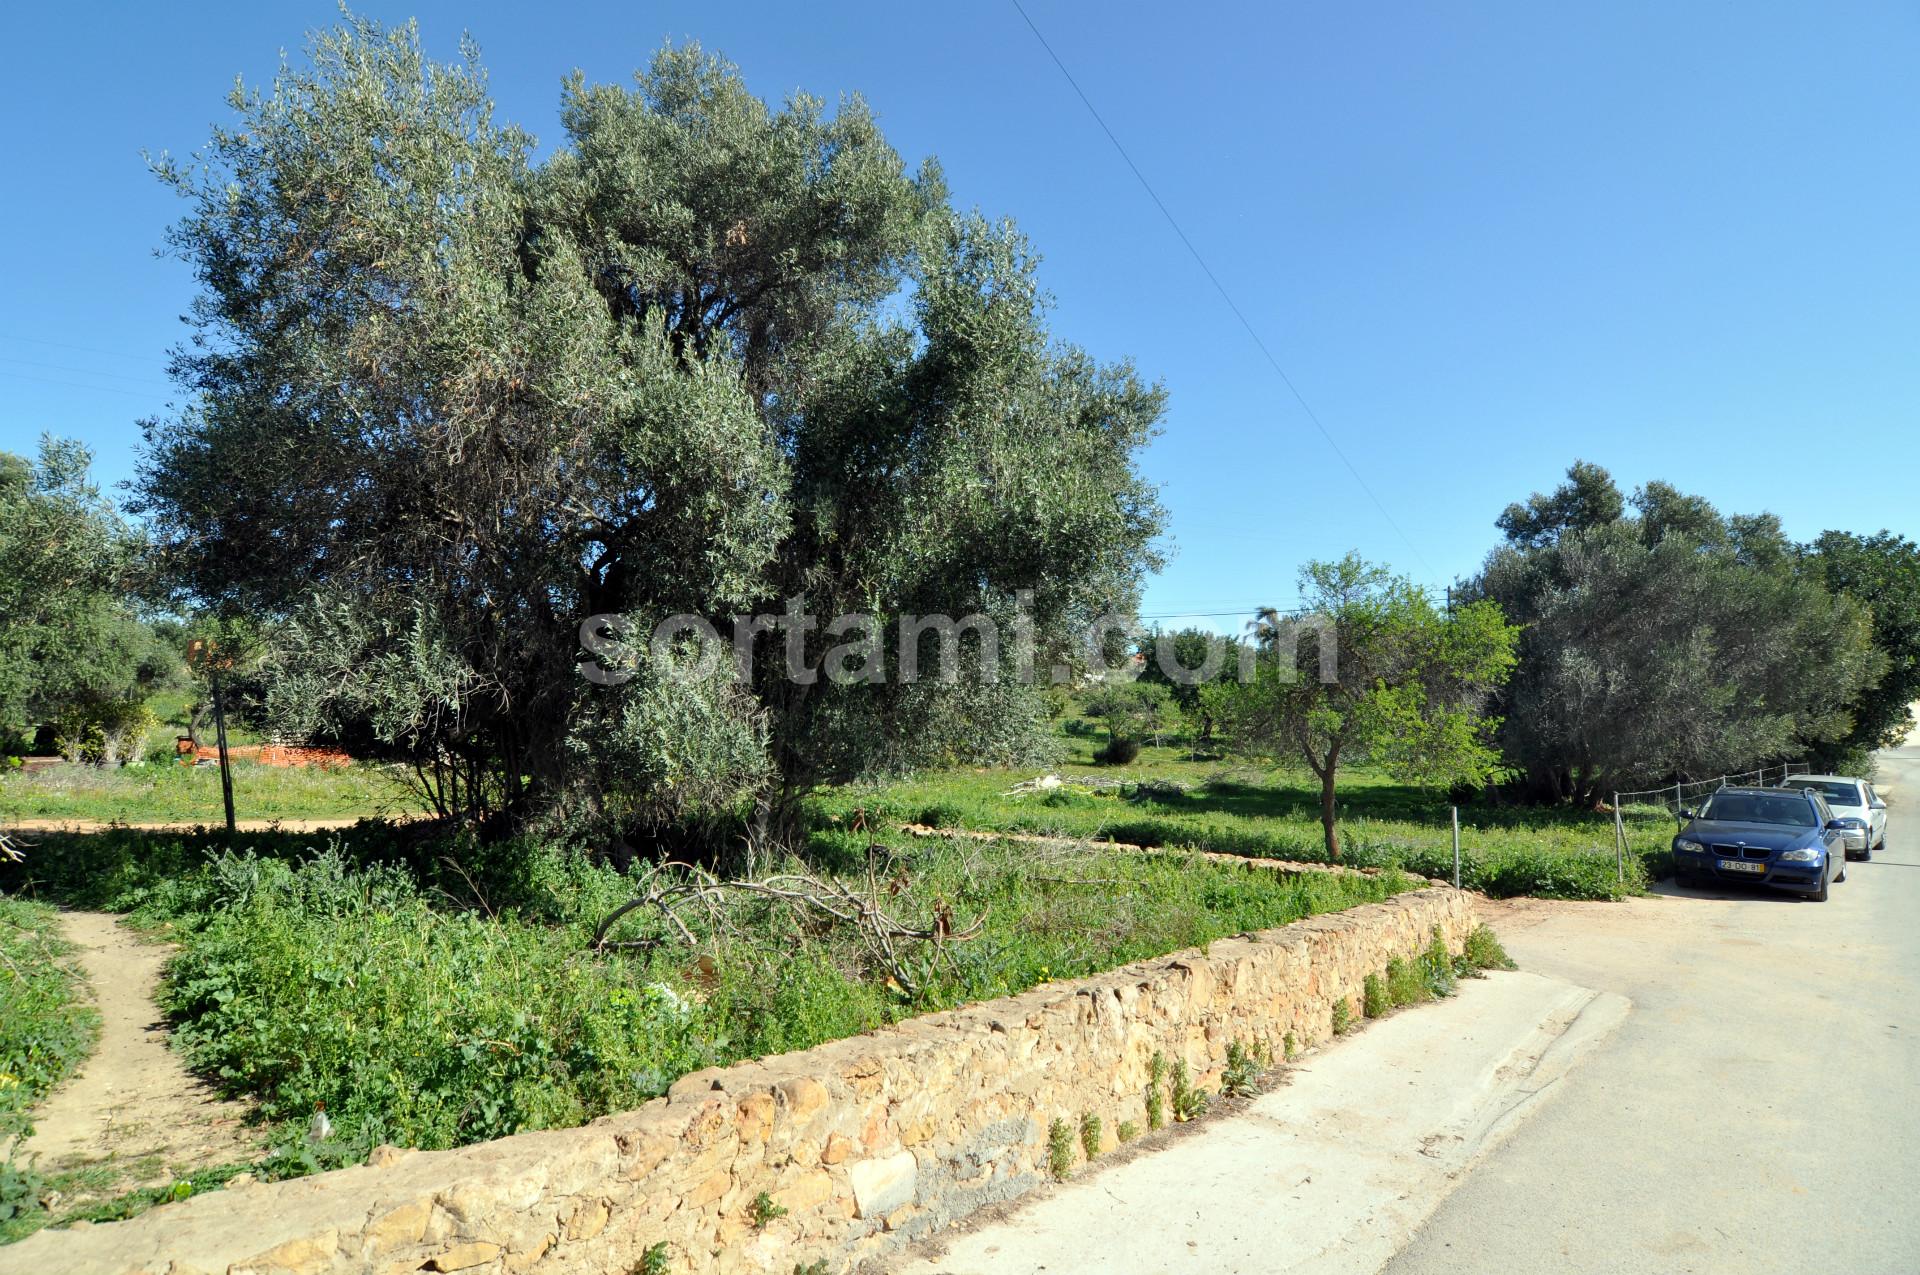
(1785, 838)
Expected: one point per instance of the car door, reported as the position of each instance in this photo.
(1876, 817)
(1836, 846)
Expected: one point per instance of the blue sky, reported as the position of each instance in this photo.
(1482, 240)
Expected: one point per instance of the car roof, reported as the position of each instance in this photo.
(1824, 779)
(1758, 791)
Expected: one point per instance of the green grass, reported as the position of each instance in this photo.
(429, 1006)
(1275, 813)
(171, 793)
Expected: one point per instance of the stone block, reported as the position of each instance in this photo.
(882, 1185)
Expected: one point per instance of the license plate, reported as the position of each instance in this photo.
(1741, 865)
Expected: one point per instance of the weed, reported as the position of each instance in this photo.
(1406, 983)
(1241, 1072)
(1060, 1149)
(1290, 1046)
(1126, 1131)
(1090, 1135)
(816, 1267)
(1342, 1017)
(764, 1210)
(1483, 951)
(1436, 967)
(1188, 1103)
(1156, 1105)
(1374, 1001)
(654, 1261)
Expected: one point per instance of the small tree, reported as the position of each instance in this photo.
(1409, 695)
(1185, 661)
(1132, 711)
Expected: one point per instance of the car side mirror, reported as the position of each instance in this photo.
(1689, 813)
(1837, 825)
(1879, 804)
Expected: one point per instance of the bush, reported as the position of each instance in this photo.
(1374, 1000)
(1483, 952)
(943, 815)
(1406, 983)
(1118, 752)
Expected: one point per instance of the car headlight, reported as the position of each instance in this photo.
(1807, 855)
(1688, 844)
(1851, 823)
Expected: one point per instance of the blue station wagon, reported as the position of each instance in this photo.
(1781, 837)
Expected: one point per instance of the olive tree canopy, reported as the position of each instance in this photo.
(709, 357)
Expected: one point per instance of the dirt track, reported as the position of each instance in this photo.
(133, 1111)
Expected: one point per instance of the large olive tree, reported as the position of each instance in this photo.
(708, 358)
(1661, 638)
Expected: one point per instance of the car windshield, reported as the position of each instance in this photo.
(1838, 793)
(1759, 807)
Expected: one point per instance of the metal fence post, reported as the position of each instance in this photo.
(1456, 847)
(1619, 840)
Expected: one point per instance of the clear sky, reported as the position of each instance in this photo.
(1677, 239)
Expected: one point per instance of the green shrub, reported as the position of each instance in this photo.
(1059, 1149)
(1126, 1131)
(1436, 966)
(1342, 1017)
(1118, 752)
(1239, 1077)
(1189, 1103)
(1090, 1134)
(1483, 951)
(763, 1210)
(1406, 983)
(943, 815)
(1374, 1000)
(1156, 1103)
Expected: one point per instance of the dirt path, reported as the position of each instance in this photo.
(133, 1116)
(30, 826)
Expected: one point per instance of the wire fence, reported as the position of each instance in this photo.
(1680, 794)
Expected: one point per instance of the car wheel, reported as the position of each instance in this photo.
(1820, 895)
(1866, 856)
(1843, 873)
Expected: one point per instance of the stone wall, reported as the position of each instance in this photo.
(868, 1143)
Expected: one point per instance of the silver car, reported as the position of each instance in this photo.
(1855, 805)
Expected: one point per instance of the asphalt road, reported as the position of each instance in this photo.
(1758, 1111)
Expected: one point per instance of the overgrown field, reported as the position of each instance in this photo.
(1165, 800)
(430, 1004)
(170, 793)
(47, 1028)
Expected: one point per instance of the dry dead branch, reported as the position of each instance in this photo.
(678, 890)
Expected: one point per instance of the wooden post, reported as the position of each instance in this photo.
(201, 653)
(220, 736)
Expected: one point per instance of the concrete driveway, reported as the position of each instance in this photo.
(1760, 1109)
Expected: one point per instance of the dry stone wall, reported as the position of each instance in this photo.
(868, 1143)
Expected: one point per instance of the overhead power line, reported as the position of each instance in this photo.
(1219, 287)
